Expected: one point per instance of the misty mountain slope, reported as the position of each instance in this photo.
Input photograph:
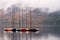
(36, 16)
(53, 18)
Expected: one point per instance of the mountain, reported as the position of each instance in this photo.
(53, 18)
(38, 16)
(34, 16)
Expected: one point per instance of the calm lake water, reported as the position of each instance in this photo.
(45, 33)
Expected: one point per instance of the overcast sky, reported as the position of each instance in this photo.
(51, 4)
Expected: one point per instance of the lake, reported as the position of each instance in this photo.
(46, 32)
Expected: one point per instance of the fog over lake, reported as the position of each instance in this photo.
(44, 14)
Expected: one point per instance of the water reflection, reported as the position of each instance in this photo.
(45, 33)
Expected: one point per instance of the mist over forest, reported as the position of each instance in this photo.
(39, 15)
(48, 22)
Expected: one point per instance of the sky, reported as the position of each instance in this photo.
(51, 4)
